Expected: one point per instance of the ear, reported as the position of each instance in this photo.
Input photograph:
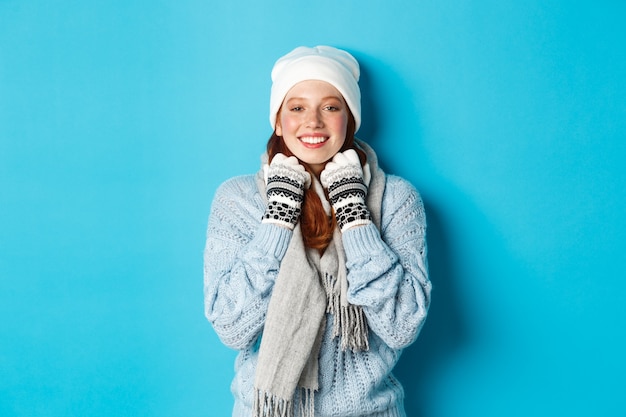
(278, 128)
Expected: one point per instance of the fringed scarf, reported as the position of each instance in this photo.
(287, 369)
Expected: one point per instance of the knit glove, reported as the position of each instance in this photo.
(343, 178)
(285, 181)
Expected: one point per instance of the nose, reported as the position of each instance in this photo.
(314, 119)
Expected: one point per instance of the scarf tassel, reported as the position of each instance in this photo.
(269, 405)
(349, 320)
(307, 402)
(353, 328)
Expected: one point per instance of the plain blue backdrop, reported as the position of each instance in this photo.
(119, 119)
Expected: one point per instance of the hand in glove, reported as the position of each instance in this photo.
(285, 180)
(343, 178)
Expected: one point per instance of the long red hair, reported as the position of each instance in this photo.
(317, 228)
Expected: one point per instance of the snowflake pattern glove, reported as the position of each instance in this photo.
(343, 178)
(285, 181)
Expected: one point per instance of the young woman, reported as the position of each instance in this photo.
(315, 267)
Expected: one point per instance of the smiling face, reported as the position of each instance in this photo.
(313, 120)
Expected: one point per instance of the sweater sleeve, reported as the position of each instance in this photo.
(241, 261)
(387, 270)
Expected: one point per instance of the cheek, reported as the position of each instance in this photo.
(340, 124)
(286, 125)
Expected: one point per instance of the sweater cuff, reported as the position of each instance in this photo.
(362, 241)
(273, 238)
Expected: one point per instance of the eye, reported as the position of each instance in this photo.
(332, 106)
(296, 108)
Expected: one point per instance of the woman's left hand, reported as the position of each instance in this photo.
(343, 178)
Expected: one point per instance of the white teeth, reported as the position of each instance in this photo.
(313, 140)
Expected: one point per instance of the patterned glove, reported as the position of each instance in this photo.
(343, 178)
(285, 180)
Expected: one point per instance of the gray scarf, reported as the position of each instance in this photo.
(287, 369)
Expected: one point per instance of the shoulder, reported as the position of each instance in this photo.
(238, 196)
(402, 202)
(245, 184)
(397, 189)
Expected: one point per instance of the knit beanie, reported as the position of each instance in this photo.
(324, 63)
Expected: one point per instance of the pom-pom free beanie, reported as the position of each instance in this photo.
(324, 63)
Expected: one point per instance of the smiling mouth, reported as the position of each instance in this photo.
(313, 140)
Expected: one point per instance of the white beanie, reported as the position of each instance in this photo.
(323, 63)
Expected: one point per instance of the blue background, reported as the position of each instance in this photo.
(119, 119)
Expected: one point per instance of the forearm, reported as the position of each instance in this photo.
(239, 277)
(387, 270)
(394, 291)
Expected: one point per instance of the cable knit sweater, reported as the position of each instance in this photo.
(387, 275)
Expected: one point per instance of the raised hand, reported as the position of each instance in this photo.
(285, 181)
(343, 178)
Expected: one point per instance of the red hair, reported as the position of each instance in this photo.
(317, 228)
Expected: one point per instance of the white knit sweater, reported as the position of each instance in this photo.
(387, 275)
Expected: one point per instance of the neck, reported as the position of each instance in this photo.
(317, 169)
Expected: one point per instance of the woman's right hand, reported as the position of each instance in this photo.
(285, 181)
